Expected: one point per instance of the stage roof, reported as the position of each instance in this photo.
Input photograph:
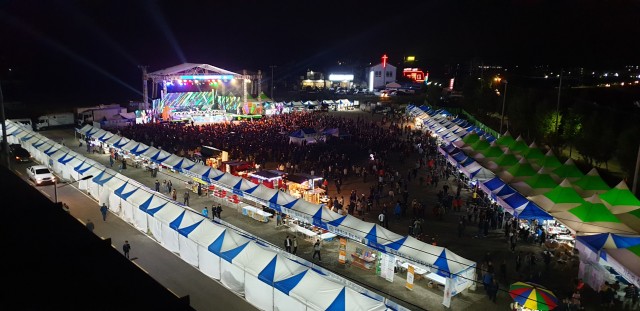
(191, 69)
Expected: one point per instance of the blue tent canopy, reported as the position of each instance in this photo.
(494, 183)
(443, 266)
(102, 178)
(531, 211)
(287, 285)
(120, 191)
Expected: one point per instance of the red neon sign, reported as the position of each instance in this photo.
(414, 74)
(384, 61)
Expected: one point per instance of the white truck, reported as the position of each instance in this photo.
(54, 120)
(99, 113)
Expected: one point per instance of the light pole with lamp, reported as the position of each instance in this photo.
(504, 100)
(55, 186)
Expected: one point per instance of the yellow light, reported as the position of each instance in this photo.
(411, 58)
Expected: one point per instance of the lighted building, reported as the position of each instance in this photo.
(381, 74)
(314, 79)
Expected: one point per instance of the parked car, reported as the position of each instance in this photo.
(40, 174)
(19, 154)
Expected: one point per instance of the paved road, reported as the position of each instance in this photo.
(171, 271)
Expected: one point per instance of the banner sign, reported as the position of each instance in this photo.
(342, 253)
(410, 272)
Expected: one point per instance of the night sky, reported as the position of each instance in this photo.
(89, 51)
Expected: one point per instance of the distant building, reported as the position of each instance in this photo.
(381, 74)
(314, 79)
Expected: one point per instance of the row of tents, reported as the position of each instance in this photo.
(172, 223)
(533, 184)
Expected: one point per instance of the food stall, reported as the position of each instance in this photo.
(237, 168)
(269, 178)
(310, 232)
(305, 186)
(212, 156)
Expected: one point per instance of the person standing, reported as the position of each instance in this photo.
(157, 184)
(287, 244)
(316, 250)
(381, 219)
(174, 194)
(185, 197)
(295, 245)
(103, 211)
(219, 211)
(126, 248)
(90, 225)
(169, 186)
(205, 212)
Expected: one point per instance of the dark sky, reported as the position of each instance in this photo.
(90, 50)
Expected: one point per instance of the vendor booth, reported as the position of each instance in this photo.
(305, 186)
(237, 168)
(212, 156)
(609, 257)
(269, 178)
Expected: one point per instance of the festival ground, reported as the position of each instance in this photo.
(559, 277)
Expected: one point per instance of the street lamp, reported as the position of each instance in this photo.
(55, 186)
(504, 99)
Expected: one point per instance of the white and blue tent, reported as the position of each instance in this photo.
(97, 186)
(150, 152)
(160, 225)
(227, 246)
(318, 293)
(262, 269)
(184, 225)
(88, 169)
(204, 235)
(143, 215)
(139, 149)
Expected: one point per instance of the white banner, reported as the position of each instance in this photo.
(448, 286)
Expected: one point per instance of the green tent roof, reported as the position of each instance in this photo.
(564, 193)
(480, 145)
(533, 154)
(519, 146)
(568, 170)
(593, 212)
(506, 140)
(506, 159)
(550, 161)
(492, 152)
(471, 138)
(541, 181)
(621, 196)
(592, 181)
(521, 169)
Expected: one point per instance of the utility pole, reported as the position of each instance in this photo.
(558, 103)
(5, 146)
(504, 100)
(272, 82)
